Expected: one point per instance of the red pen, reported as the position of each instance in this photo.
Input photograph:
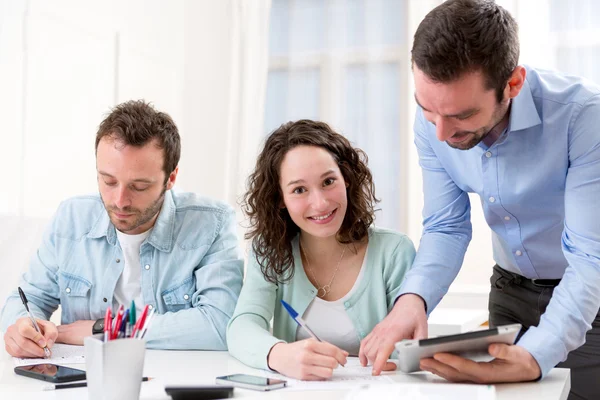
(107, 324)
(140, 322)
(118, 321)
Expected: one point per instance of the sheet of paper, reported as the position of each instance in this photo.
(422, 391)
(353, 374)
(61, 354)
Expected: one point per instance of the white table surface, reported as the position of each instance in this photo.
(201, 367)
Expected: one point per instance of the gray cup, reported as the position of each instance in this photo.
(114, 369)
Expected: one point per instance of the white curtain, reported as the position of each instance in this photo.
(249, 53)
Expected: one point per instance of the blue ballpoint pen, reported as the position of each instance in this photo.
(299, 319)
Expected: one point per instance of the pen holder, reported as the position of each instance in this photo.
(114, 369)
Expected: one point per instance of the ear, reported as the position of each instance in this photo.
(516, 82)
(172, 178)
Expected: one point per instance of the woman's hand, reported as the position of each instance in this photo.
(308, 359)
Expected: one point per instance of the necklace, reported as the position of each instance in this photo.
(322, 290)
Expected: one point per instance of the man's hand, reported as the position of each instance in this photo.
(75, 332)
(306, 359)
(512, 363)
(23, 341)
(407, 320)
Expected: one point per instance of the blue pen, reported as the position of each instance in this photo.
(299, 319)
(123, 329)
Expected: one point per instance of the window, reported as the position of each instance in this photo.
(575, 32)
(346, 62)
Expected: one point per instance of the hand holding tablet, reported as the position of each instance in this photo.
(469, 344)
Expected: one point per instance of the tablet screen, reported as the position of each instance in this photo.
(460, 336)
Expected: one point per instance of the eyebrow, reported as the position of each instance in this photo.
(461, 114)
(323, 175)
(140, 180)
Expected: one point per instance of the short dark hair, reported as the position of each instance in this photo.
(271, 227)
(136, 123)
(460, 36)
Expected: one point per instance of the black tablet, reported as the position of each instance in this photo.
(468, 345)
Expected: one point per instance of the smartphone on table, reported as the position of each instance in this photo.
(51, 373)
(251, 382)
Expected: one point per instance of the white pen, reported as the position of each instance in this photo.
(33, 321)
(146, 324)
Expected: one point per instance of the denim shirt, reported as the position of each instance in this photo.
(192, 270)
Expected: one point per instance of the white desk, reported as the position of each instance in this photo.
(201, 367)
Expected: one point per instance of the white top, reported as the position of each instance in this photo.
(330, 321)
(129, 285)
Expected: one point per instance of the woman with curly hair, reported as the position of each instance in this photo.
(310, 203)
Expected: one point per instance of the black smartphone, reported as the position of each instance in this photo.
(251, 382)
(206, 392)
(51, 373)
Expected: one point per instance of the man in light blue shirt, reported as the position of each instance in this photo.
(138, 240)
(528, 142)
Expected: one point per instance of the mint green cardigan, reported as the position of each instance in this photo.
(389, 257)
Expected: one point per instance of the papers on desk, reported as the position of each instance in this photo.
(353, 374)
(422, 391)
(61, 354)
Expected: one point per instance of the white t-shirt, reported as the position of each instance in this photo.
(330, 321)
(129, 285)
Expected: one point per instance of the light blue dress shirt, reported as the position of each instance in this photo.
(192, 270)
(539, 185)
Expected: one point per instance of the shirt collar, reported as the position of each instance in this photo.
(162, 233)
(523, 113)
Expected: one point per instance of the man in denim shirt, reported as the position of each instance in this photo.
(175, 252)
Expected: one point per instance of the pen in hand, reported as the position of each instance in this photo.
(33, 321)
(294, 314)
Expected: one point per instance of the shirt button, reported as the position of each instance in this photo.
(105, 299)
(68, 290)
(347, 303)
(518, 252)
(488, 154)
(507, 218)
(118, 260)
(492, 199)
(186, 297)
(150, 307)
(147, 267)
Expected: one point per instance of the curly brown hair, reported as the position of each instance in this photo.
(271, 227)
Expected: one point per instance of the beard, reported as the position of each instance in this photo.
(138, 217)
(473, 138)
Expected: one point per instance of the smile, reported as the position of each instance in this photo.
(459, 138)
(324, 216)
